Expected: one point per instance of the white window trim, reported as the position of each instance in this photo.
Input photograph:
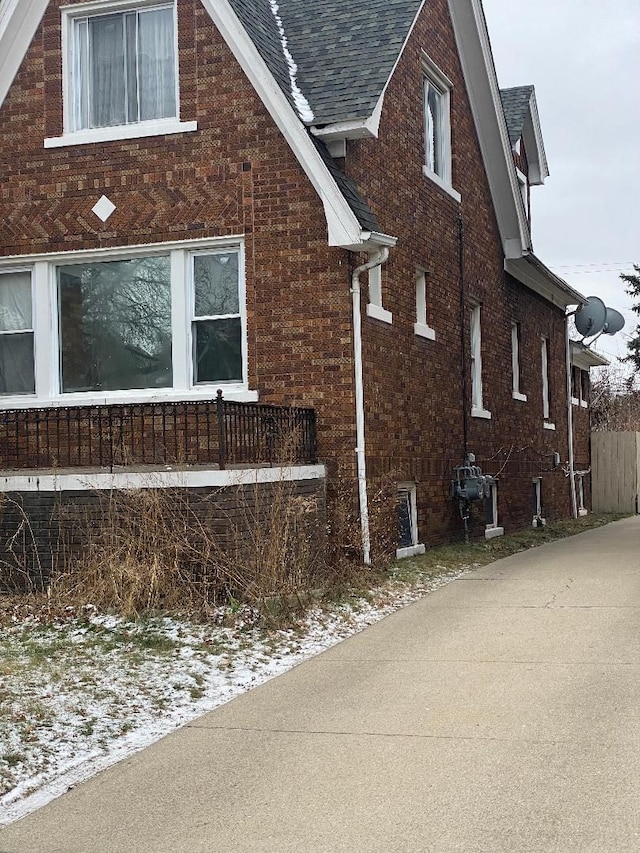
(538, 520)
(493, 530)
(516, 393)
(477, 406)
(45, 320)
(443, 85)
(374, 306)
(421, 327)
(156, 127)
(582, 510)
(416, 547)
(544, 364)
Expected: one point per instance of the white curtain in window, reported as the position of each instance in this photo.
(156, 64)
(16, 335)
(107, 89)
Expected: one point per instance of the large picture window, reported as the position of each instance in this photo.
(115, 325)
(124, 67)
(166, 321)
(16, 334)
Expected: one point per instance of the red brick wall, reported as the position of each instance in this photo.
(414, 386)
(236, 175)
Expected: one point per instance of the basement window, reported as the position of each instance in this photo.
(492, 528)
(407, 516)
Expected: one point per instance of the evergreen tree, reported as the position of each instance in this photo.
(632, 281)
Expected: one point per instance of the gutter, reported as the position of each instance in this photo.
(378, 259)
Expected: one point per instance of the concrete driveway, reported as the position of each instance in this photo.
(499, 713)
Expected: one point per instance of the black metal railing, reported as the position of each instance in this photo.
(217, 432)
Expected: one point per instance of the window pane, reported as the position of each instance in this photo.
(16, 364)
(15, 302)
(434, 129)
(216, 285)
(106, 57)
(218, 350)
(156, 64)
(405, 537)
(115, 325)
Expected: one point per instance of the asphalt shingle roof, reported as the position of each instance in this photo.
(345, 50)
(515, 103)
(344, 53)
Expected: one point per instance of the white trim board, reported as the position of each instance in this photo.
(166, 478)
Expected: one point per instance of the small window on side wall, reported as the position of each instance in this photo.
(437, 126)
(407, 517)
(375, 308)
(546, 394)
(477, 402)
(421, 327)
(516, 392)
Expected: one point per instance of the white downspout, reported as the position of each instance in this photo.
(378, 259)
(572, 476)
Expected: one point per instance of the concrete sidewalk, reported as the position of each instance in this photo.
(500, 713)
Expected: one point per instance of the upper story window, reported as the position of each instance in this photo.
(477, 403)
(120, 72)
(437, 126)
(546, 406)
(516, 391)
(124, 67)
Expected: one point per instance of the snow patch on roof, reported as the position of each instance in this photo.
(302, 104)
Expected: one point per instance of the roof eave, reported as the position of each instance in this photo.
(534, 274)
(534, 145)
(585, 358)
(343, 227)
(17, 28)
(479, 72)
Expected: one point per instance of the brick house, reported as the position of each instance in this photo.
(327, 212)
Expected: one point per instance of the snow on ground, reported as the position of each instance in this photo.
(80, 694)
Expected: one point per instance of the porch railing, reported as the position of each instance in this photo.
(215, 432)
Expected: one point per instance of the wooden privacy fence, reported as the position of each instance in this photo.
(615, 482)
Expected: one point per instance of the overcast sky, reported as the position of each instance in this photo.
(583, 57)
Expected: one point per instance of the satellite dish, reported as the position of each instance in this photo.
(614, 322)
(590, 319)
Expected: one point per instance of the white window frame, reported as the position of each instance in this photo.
(544, 362)
(576, 385)
(538, 520)
(46, 331)
(477, 404)
(31, 330)
(516, 392)
(154, 127)
(421, 326)
(375, 308)
(409, 490)
(440, 83)
(584, 401)
(493, 529)
(582, 510)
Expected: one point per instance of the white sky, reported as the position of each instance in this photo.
(583, 57)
